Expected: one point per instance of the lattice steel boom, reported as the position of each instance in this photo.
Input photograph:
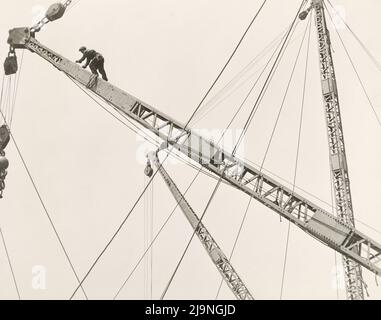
(215, 253)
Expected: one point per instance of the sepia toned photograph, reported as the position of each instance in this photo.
(204, 151)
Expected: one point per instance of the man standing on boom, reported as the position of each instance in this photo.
(95, 60)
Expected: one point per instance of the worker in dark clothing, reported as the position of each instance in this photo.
(94, 60)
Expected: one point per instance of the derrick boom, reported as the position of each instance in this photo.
(338, 159)
(215, 253)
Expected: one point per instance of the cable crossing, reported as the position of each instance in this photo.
(339, 233)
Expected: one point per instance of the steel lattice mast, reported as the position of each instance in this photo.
(338, 159)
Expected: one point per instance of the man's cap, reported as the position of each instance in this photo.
(82, 49)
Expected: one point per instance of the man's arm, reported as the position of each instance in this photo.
(82, 59)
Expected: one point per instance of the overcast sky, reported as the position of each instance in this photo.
(88, 168)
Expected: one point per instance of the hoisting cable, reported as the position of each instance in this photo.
(258, 78)
(267, 82)
(6, 88)
(361, 43)
(170, 151)
(227, 63)
(265, 156)
(6, 97)
(44, 206)
(115, 234)
(2, 92)
(151, 232)
(156, 237)
(12, 104)
(213, 102)
(234, 151)
(217, 103)
(17, 81)
(145, 237)
(355, 69)
(9, 98)
(297, 157)
(256, 82)
(148, 236)
(252, 89)
(10, 264)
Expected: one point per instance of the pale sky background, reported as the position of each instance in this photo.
(167, 53)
